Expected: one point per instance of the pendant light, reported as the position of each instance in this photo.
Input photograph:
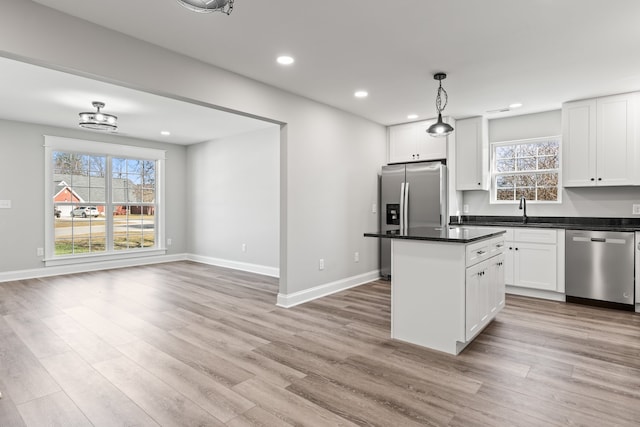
(440, 128)
(97, 120)
(208, 6)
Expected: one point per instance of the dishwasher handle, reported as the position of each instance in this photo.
(599, 239)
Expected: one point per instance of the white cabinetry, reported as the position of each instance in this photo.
(599, 141)
(410, 142)
(531, 259)
(444, 294)
(472, 154)
(485, 288)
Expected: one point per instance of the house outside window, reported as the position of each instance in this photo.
(105, 201)
(529, 168)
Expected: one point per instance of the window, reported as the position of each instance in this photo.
(528, 168)
(103, 200)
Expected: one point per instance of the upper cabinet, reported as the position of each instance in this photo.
(410, 143)
(599, 141)
(472, 154)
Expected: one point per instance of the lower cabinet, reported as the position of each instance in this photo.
(484, 293)
(532, 259)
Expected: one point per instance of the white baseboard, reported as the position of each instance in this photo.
(290, 300)
(89, 266)
(236, 265)
(535, 293)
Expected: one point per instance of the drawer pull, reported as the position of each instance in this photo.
(499, 245)
(481, 252)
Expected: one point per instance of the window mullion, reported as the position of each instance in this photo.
(109, 207)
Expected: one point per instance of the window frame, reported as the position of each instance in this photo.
(81, 146)
(494, 174)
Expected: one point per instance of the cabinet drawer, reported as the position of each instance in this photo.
(477, 252)
(535, 235)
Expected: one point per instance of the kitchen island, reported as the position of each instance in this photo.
(447, 284)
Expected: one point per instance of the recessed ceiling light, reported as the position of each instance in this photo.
(361, 94)
(285, 60)
(412, 116)
(515, 105)
(165, 133)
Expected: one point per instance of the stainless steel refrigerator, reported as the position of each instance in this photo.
(411, 195)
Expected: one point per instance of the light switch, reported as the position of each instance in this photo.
(5, 204)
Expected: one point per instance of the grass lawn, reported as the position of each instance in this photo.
(97, 244)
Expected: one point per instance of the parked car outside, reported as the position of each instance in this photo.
(85, 211)
(56, 212)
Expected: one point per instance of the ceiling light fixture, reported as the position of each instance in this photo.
(165, 133)
(361, 94)
(440, 128)
(515, 105)
(412, 116)
(208, 6)
(98, 120)
(285, 60)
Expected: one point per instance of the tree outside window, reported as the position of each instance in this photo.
(528, 168)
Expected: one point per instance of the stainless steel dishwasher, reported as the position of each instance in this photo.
(599, 268)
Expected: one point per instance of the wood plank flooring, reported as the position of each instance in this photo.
(185, 344)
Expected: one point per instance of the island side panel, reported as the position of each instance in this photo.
(428, 293)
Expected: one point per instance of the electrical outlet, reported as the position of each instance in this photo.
(40, 252)
(465, 209)
(244, 247)
(321, 264)
(169, 241)
(636, 209)
(356, 257)
(374, 208)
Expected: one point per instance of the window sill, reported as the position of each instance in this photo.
(113, 256)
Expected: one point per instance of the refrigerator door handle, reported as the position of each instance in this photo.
(402, 207)
(406, 207)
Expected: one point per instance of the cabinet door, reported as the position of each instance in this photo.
(509, 262)
(579, 143)
(471, 165)
(497, 283)
(472, 308)
(535, 266)
(615, 140)
(427, 146)
(402, 143)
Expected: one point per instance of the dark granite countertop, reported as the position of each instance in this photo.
(568, 223)
(455, 234)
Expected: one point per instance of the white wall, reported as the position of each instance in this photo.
(329, 159)
(593, 202)
(234, 199)
(22, 181)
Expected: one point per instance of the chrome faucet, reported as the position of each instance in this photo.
(523, 207)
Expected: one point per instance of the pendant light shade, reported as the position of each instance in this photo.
(440, 128)
(208, 6)
(97, 120)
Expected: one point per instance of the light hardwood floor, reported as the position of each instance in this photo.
(185, 344)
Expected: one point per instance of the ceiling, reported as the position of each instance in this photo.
(39, 95)
(496, 52)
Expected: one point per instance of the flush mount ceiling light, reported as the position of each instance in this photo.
(440, 128)
(97, 120)
(361, 94)
(208, 6)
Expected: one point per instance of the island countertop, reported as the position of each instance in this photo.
(440, 234)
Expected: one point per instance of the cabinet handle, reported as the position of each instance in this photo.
(510, 248)
(479, 184)
(599, 179)
(480, 252)
(593, 179)
(499, 245)
(418, 156)
(516, 249)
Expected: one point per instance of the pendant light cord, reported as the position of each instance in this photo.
(439, 105)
